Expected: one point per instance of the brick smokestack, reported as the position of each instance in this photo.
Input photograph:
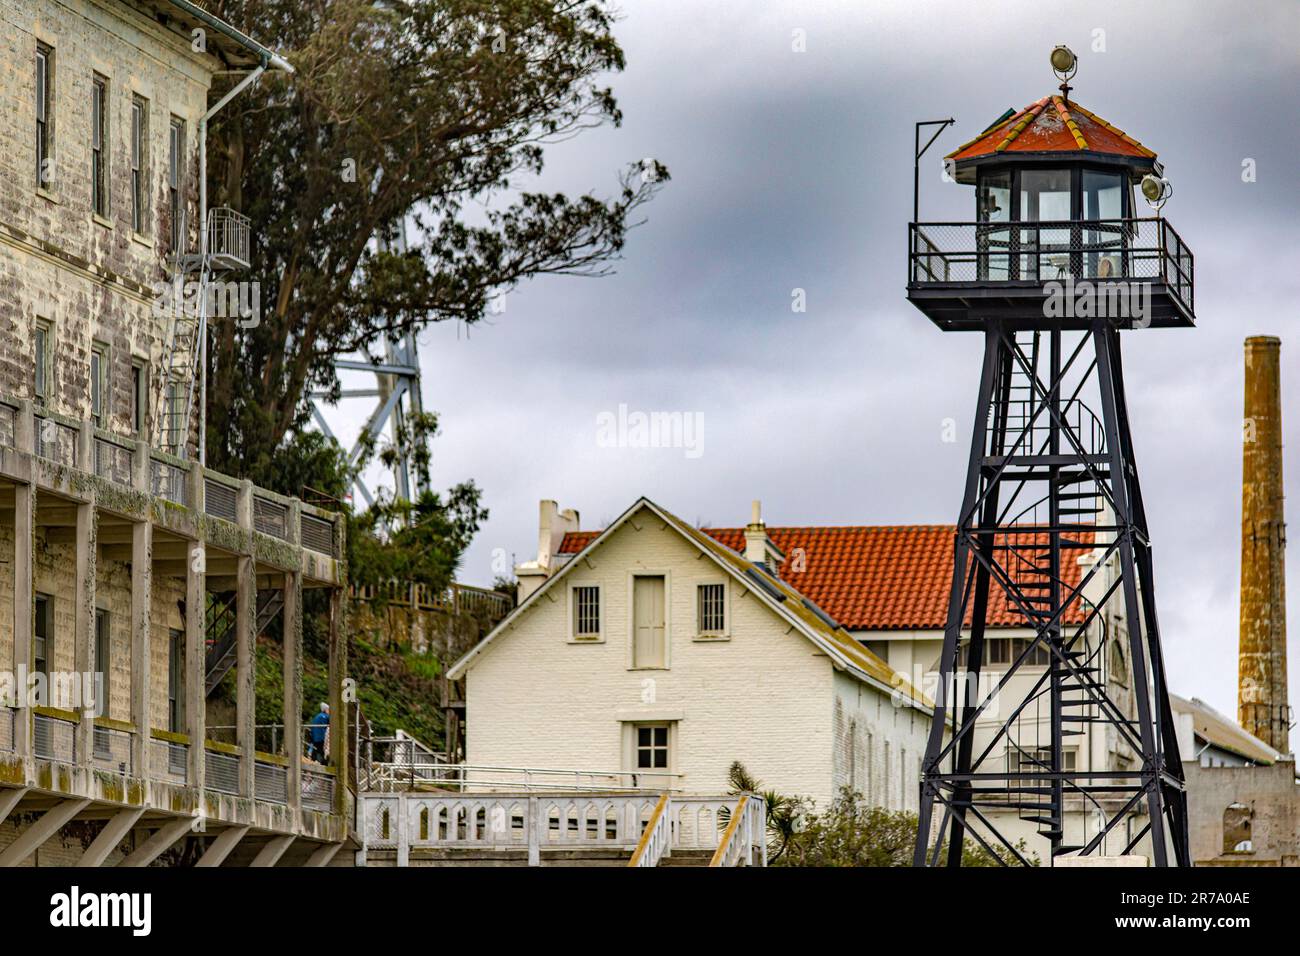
(1261, 675)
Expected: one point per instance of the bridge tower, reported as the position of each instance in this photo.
(1063, 736)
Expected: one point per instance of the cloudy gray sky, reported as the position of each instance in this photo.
(792, 170)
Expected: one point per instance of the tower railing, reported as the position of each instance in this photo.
(1034, 253)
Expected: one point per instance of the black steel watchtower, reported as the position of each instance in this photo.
(1063, 735)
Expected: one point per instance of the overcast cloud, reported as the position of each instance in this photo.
(793, 171)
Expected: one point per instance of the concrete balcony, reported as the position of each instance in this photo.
(106, 544)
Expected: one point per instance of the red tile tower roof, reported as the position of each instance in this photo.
(883, 577)
(1052, 124)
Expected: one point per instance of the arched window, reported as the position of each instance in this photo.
(1237, 829)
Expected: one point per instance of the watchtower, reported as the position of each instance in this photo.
(1069, 734)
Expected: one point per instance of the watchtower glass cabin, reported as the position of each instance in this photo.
(1066, 248)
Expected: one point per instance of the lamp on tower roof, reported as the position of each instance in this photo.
(1064, 64)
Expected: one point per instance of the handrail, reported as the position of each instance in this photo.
(650, 848)
(1045, 223)
(723, 852)
(389, 774)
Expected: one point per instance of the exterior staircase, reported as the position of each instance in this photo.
(221, 643)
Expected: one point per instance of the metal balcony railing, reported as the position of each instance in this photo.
(1106, 250)
(111, 750)
(271, 781)
(317, 790)
(54, 738)
(229, 238)
(222, 771)
(8, 729)
(169, 761)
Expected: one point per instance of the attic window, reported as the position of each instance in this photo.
(711, 608)
(586, 612)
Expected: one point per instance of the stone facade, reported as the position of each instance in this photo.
(96, 524)
(92, 279)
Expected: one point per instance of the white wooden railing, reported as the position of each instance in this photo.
(656, 839)
(744, 842)
(427, 773)
(534, 821)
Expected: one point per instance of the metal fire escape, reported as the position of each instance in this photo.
(192, 277)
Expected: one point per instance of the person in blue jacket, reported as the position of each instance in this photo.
(319, 728)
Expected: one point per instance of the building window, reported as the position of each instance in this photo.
(139, 396)
(174, 430)
(586, 612)
(1118, 666)
(44, 116)
(98, 383)
(176, 155)
(176, 681)
(139, 165)
(652, 747)
(42, 637)
(649, 647)
(101, 668)
(41, 361)
(1004, 650)
(99, 145)
(710, 608)
(1036, 760)
(1040, 656)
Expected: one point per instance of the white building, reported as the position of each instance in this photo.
(557, 704)
(656, 655)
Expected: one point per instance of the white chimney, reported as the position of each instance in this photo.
(552, 525)
(759, 548)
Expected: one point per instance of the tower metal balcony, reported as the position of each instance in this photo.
(1051, 275)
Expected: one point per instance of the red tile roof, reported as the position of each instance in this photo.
(1052, 125)
(878, 577)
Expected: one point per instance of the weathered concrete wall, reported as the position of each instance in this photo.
(1272, 805)
(93, 279)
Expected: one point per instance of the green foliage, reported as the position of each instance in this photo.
(398, 690)
(304, 459)
(782, 811)
(395, 689)
(426, 540)
(851, 832)
(432, 115)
